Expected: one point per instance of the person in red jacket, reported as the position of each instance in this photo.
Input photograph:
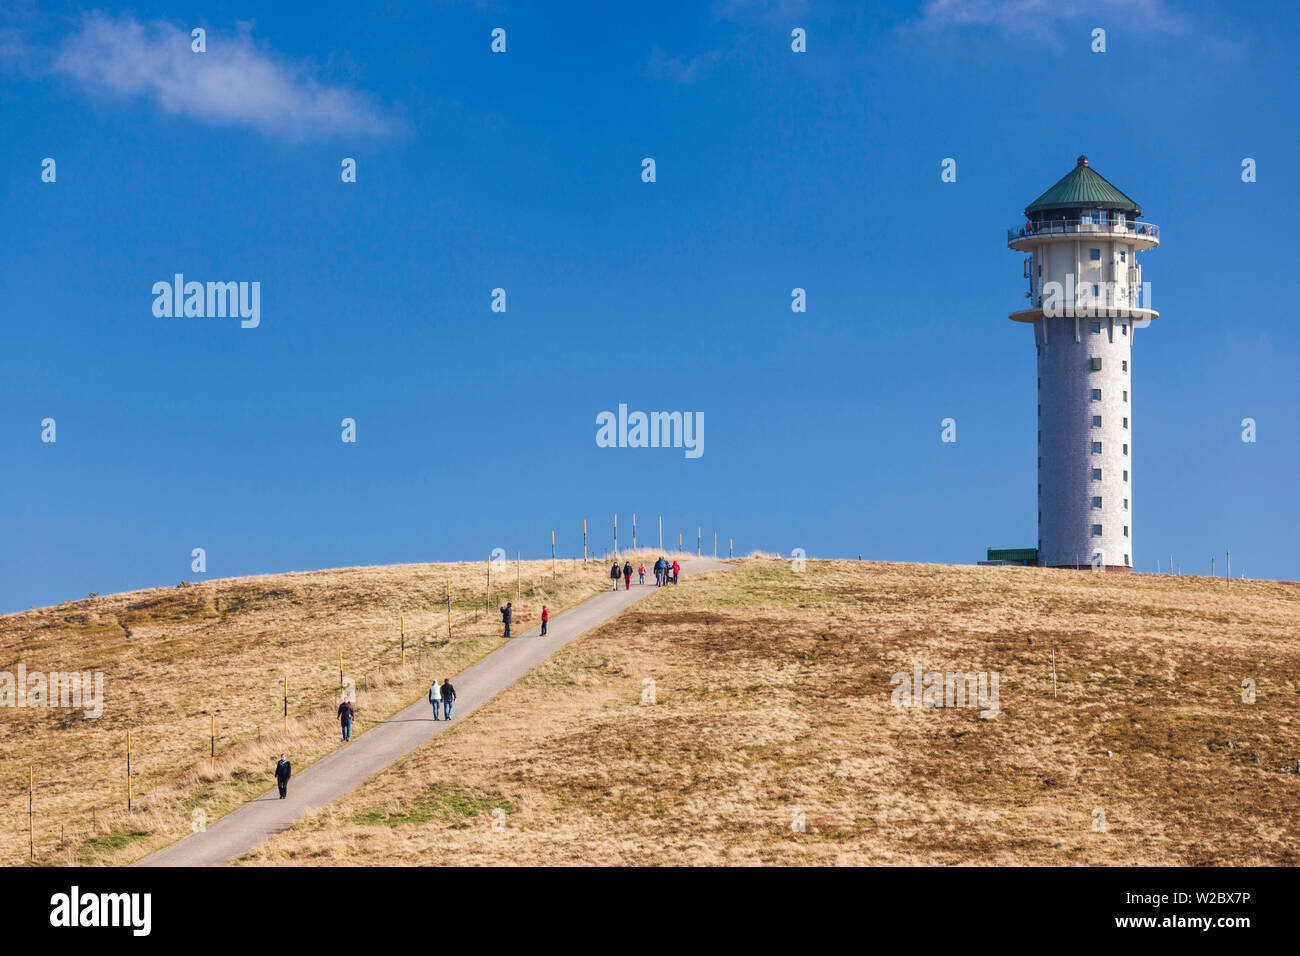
(546, 616)
(676, 568)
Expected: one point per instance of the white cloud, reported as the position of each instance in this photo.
(681, 69)
(234, 83)
(1030, 16)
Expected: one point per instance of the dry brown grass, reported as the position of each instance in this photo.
(774, 694)
(170, 656)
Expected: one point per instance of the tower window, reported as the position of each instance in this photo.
(1126, 448)
(1096, 448)
(1096, 502)
(1096, 474)
(1126, 475)
(1126, 423)
(1123, 364)
(1123, 255)
(1096, 530)
(1094, 255)
(1096, 328)
(1126, 504)
(1126, 394)
(1096, 395)
(1123, 329)
(1126, 560)
(1096, 421)
(1126, 531)
(1096, 363)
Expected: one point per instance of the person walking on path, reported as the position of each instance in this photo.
(661, 570)
(282, 771)
(448, 696)
(676, 570)
(642, 572)
(507, 616)
(627, 576)
(615, 573)
(435, 697)
(346, 713)
(546, 616)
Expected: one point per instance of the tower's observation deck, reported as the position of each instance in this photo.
(1086, 299)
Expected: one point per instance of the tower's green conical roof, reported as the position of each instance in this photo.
(1082, 188)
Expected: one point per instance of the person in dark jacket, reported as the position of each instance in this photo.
(448, 695)
(282, 771)
(615, 573)
(507, 616)
(346, 713)
(627, 576)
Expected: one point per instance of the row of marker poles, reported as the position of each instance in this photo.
(212, 730)
(212, 734)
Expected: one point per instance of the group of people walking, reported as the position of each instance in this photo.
(665, 573)
(442, 693)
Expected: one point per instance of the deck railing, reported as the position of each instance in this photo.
(1085, 226)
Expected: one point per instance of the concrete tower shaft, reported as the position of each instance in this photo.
(1087, 301)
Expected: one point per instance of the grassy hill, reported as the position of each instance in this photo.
(171, 657)
(773, 704)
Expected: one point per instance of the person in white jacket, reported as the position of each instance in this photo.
(435, 697)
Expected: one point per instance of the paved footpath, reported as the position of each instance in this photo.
(353, 764)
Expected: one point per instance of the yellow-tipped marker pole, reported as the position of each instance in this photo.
(286, 703)
(128, 771)
(552, 557)
(584, 540)
(31, 826)
(448, 610)
(402, 625)
(212, 739)
(633, 530)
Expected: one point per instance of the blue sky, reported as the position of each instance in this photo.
(522, 170)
